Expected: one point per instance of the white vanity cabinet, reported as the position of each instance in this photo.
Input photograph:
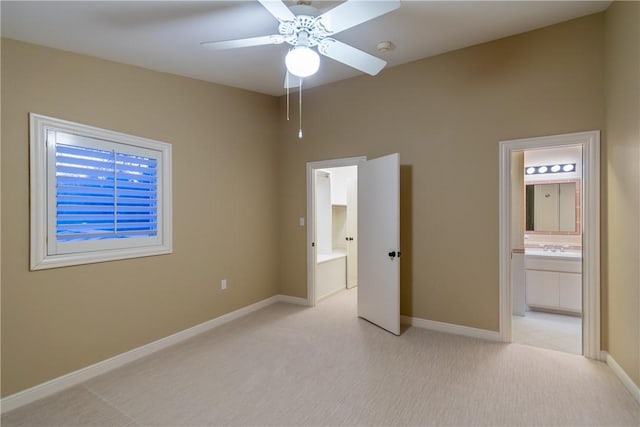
(553, 282)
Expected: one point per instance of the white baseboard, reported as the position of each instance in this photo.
(73, 378)
(602, 357)
(450, 328)
(622, 375)
(292, 300)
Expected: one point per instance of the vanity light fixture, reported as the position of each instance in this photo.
(544, 169)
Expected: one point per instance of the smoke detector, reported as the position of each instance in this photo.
(385, 46)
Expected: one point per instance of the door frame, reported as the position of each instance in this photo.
(311, 216)
(590, 143)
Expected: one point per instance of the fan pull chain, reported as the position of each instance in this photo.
(287, 85)
(300, 109)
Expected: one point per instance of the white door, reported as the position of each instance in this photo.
(352, 233)
(379, 242)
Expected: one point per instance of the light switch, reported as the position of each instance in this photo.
(301, 221)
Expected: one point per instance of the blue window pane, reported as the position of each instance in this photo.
(104, 194)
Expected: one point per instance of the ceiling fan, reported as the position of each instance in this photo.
(303, 30)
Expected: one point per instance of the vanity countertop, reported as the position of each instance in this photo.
(567, 255)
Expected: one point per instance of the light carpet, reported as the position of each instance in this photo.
(291, 365)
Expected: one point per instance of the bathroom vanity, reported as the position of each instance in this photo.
(553, 280)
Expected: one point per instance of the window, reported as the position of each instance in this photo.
(96, 195)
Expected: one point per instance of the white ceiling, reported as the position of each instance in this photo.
(166, 35)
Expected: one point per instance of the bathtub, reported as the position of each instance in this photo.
(331, 274)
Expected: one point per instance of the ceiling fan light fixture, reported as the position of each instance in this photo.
(302, 61)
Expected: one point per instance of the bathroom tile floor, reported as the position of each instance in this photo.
(547, 330)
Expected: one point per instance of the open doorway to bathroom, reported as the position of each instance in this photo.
(554, 257)
(336, 216)
(547, 276)
(332, 207)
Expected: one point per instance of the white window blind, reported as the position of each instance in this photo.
(104, 194)
(98, 195)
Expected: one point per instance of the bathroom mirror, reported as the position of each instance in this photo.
(552, 207)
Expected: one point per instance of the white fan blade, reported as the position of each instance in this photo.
(278, 9)
(351, 56)
(354, 12)
(291, 80)
(252, 41)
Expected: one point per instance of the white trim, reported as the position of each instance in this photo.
(292, 300)
(590, 143)
(591, 245)
(65, 381)
(504, 233)
(622, 375)
(450, 328)
(311, 218)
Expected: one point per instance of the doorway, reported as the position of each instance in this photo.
(546, 248)
(544, 271)
(336, 225)
(332, 227)
(378, 249)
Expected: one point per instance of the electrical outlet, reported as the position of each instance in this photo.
(223, 284)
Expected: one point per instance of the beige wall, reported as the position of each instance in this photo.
(445, 116)
(225, 206)
(621, 183)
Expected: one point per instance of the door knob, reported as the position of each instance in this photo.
(392, 254)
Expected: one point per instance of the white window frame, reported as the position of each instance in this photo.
(45, 252)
